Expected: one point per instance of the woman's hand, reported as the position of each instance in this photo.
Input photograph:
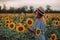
(31, 29)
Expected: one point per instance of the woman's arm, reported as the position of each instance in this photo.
(31, 29)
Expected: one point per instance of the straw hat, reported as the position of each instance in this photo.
(40, 10)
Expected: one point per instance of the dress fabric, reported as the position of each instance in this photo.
(40, 24)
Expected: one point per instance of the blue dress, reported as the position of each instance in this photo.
(40, 24)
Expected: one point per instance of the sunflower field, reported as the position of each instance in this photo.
(13, 26)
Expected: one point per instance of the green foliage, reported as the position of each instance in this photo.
(52, 29)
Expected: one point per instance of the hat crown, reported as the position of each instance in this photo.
(41, 9)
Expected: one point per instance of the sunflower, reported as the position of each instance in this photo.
(7, 21)
(53, 37)
(7, 24)
(11, 25)
(21, 18)
(20, 28)
(2, 18)
(38, 31)
(7, 18)
(56, 22)
(48, 16)
(29, 22)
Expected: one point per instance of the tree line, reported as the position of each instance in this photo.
(25, 9)
(17, 10)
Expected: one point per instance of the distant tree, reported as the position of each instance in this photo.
(31, 9)
(24, 9)
(0, 9)
(11, 10)
(18, 10)
(48, 8)
(4, 8)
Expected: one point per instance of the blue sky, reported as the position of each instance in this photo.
(36, 3)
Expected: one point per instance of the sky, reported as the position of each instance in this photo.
(35, 3)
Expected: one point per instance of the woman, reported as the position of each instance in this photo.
(39, 23)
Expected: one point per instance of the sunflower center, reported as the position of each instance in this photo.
(20, 28)
(29, 22)
(53, 37)
(56, 23)
(7, 21)
(38, 31)
(11, 25)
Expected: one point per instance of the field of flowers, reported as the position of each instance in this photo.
(13, 26)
